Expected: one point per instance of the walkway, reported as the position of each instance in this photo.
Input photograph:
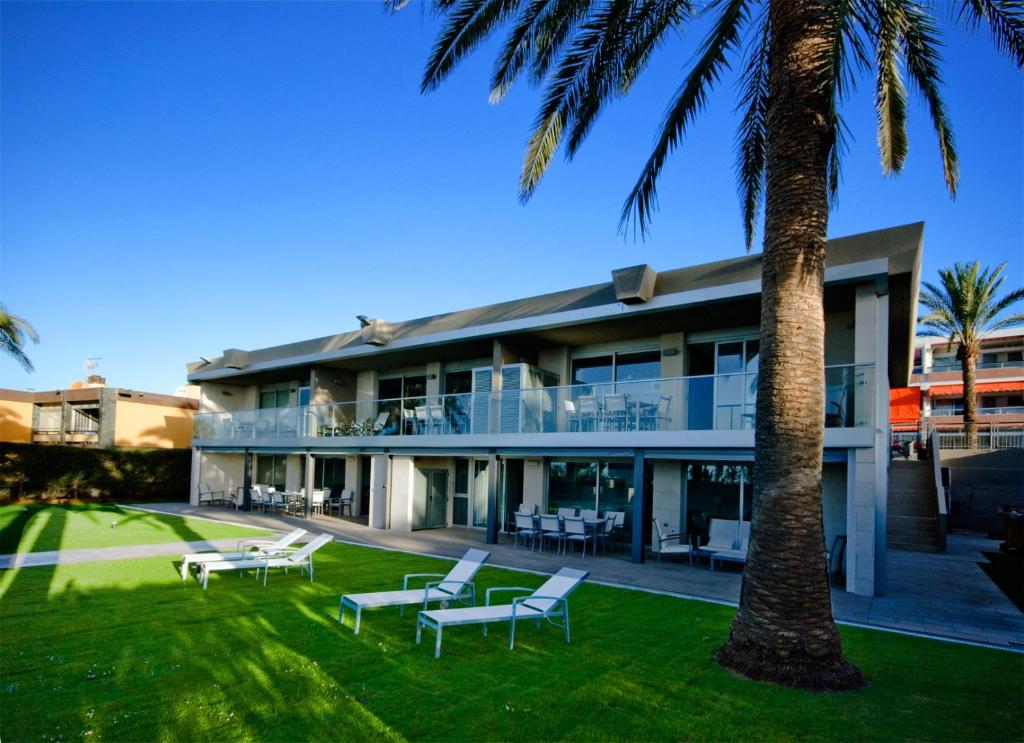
(943, 595)
(99, 554)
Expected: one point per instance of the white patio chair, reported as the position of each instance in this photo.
(316, 503)
(566, 513)
(670, 543)
(380, 423)
(606, 534)
(408, 420)
(589, 412)
(457, 585)
(576, 532)
(255, 499)
(618, 519)
(615, 417)
(588, 514)
(738, 555)
(438, 420)
(246, 548)
(209, 497)
(572, 420)
(550, 602)
(286, 558)
(525, 528)
(551, 528)
(345, 501)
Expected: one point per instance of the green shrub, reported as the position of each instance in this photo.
(51, 472)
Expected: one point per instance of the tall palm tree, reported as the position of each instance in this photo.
(14, 332)
(964, 308)
(802, 59)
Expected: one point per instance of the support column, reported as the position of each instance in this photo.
(310, 475)
(193, 484)
(492, 499)
(247, 481)
(638, 505)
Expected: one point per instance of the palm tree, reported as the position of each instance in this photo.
(14, 331)
(964, 308)
(802, 60)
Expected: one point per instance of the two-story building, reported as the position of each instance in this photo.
(634, 395)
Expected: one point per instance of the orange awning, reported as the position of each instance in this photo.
(981, 388)
(904, 404)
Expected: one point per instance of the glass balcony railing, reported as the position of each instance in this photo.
(959, 410)
(698, 403)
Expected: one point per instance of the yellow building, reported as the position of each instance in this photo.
(97, 416)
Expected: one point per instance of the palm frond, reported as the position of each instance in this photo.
(921, 46)
(469, 23)
(689, 100)
(752, 137)
(527, 39)
(553, 33)
(641, 31)
(890, 95)
(593, 46)
(1006, 20)
(15, 332)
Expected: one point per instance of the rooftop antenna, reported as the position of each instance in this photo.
(91, 363)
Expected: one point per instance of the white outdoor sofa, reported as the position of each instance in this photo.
(245, 549)
(289, 557)
(457, 585)
(549, 602)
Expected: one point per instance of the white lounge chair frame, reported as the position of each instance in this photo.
(550, 602)
(457, 585)
(289, 557)
(245, 549)
(671, 543)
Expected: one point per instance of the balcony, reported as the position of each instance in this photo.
(697, 403)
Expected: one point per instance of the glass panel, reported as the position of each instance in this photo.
(270, 470)
(616, 493)
(701, 358)
(460, 511)
(456, 383)
(594, 370)
(633, 366)
(462, 476)
(572, 485)
(415, 389)
(480, 494)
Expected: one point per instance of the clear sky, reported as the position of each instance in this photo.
(182, 178)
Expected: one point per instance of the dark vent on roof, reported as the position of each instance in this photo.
(634, 285)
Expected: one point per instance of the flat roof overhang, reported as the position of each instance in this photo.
(617, 321)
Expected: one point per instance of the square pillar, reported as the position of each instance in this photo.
(492, 499)
(638, 506)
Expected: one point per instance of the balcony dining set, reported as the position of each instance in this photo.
(617, 411)
(267, 499)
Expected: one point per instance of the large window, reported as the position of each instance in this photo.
(271, 470)
(604, 486)
(394, 393)
(49, 419)
(274, 395)
(714, 490)
(616, 367)
(329, 472)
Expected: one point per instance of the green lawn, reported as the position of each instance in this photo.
(40, 528)
(108, 651)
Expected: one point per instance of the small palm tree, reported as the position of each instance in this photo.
(14, 332)
(802, 60)
(964, 308)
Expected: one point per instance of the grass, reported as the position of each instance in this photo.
(40, 528)
(126, 651)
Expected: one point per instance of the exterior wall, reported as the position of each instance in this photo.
(833, 502)
(403, 474)
(154, 426)
(667, 499)
(329, 385)
(353, 476)
(535, 484)
(379, 489)
(220, 472)
(217, 397)
(16, 421)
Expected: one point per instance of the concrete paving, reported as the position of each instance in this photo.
(942, 595)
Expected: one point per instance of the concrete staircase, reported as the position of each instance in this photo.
(913, 521)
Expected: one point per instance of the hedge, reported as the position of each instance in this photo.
(53, 472)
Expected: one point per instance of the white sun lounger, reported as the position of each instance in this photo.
(549, 602)
(456, 586)
(247, 548)
(295, 558)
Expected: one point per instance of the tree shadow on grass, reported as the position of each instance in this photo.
(10, 535)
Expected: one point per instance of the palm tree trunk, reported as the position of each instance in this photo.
(784, 630)
(970, 364)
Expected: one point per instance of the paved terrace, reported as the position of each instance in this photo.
(944, 595)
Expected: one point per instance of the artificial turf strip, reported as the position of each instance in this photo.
(40, 528)
(119, 651)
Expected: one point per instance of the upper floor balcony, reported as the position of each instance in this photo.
(695, 403)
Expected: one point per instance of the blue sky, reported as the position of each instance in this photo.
(177, 178)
